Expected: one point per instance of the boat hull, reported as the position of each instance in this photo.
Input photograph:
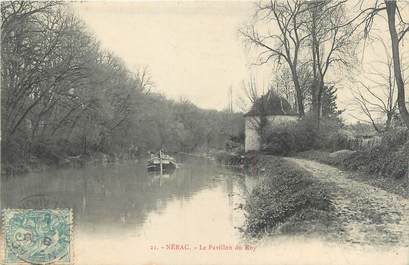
(168, 167)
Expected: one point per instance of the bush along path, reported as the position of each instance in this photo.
(364, 214)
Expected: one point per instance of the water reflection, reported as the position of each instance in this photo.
(125, 194)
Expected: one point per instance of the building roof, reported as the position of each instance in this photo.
(271, 104)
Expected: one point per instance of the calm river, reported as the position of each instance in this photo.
(123, 215)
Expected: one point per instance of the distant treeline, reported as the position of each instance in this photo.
(62, 95)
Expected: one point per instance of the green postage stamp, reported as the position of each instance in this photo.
(37, 236)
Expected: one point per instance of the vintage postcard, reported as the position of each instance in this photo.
(264, 132)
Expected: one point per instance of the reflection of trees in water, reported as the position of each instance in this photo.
(237, 189)
(124, 193)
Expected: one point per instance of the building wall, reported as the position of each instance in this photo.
(252, 139)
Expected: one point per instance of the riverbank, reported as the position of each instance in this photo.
(52, 161)
(288, 200)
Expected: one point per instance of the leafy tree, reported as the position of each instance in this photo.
(329, 102)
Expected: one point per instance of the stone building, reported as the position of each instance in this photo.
(277, 112)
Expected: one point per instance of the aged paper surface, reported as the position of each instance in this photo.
(204, 132)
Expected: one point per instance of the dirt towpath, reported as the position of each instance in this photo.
(366, 214)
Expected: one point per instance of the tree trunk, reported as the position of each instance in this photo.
(389, 116)
(315, 87)
(315, 94)
(391, 11)
(315, 104)
(298, 93)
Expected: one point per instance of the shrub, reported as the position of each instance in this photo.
(304, 135)
(287, 139)
(335, 141)
(332, 137)
(280, 142)
(396, 138)
(389, 159)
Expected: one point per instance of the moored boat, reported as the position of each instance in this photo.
(161, 162)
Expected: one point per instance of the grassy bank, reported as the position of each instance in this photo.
(365, 171)
(288, 201)
(383, 164)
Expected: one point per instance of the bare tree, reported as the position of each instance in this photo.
(143, 76)
(39, 63)
(369, 106)
(330, 43)
(391, 9)
(398, 27)
(379, 93)
(284, 44)
(258, 110)
(284, 86)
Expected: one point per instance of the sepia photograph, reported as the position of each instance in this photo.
(217, 132)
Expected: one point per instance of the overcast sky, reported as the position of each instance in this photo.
(192, 49)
